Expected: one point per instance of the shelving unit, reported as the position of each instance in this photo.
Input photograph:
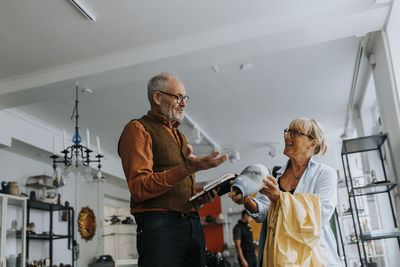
(50, 236)
(362, 196)
(12, 230)
(120, 241)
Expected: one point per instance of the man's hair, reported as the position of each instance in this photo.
(158, 83)
(244, 212)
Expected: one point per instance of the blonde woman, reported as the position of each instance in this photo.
(313, 181)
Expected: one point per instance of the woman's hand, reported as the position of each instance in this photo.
(238, 197)
(271, 189)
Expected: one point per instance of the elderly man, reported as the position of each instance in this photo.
(159, 167)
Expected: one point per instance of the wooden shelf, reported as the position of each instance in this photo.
(40, 185)
(40, 181)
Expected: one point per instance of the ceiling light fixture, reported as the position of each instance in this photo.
(84, 9)
(245, 66)
(215, 68)
(77, 153)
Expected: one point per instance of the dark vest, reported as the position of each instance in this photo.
(167, 154)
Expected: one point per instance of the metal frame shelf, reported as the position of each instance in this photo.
(50, 208)
(366, 144)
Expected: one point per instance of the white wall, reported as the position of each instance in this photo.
(389, 109)
(394, 40)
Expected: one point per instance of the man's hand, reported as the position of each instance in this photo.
(271, 189)
(194, 164)
(208, 197)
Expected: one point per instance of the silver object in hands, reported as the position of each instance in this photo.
(250, 180)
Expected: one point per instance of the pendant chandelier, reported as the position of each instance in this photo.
(76, 154)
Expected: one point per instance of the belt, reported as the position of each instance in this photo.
(191, 215)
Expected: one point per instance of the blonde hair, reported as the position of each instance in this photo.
(312, 128)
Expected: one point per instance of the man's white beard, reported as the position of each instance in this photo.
(172, 116)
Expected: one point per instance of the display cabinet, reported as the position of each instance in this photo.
(12, 230)
(50, 236)
(120, 241)
(369, 220)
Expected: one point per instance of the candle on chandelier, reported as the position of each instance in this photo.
(87, 139)
(64, 141)
(98, 145)
(54, 145)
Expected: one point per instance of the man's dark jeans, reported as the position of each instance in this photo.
(168, 239)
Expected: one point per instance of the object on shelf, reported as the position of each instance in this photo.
(31, 228)
(373, 176)
(128, 220)
(349, 210)
(11, 261)
(220, 218)
(4, 187)
(114, 219)
(49, 197)
(40, 181)
(209, 219)
(13, 188)
(32, 195)
(102, 261)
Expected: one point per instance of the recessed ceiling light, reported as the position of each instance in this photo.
(245, 66)
(87, 91)
(215, 68)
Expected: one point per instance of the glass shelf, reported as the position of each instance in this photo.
(380, 234)
(14, 234)
(362, 144)
(373, 188)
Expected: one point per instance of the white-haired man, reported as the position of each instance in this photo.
(159, 166)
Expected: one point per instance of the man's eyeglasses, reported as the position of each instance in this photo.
(179, 98)
(294, 133)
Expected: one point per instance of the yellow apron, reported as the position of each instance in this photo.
(294, 229)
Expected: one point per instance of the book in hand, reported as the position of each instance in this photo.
(222, 183)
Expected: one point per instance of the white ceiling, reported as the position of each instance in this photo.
(302, 55)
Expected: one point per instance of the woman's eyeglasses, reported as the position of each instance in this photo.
(294, 133)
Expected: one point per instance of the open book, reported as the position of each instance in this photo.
(222, 182)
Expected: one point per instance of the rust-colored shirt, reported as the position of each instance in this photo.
(135, 149)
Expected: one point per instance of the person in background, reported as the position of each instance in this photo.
(243, 238)
(301, 174)
(160, 168)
